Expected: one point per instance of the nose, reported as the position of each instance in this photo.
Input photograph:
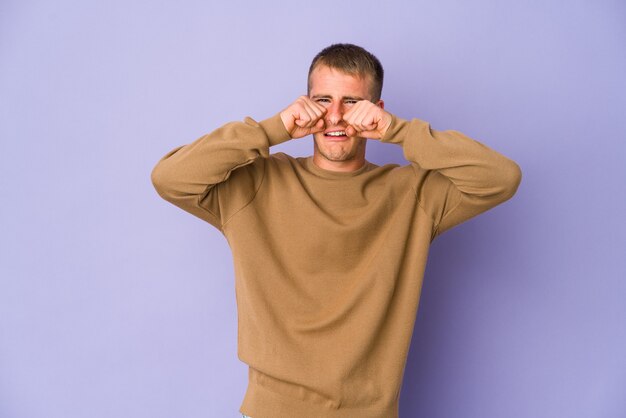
(334, 113)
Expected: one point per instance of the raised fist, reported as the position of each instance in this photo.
(368, 120)
(303, 117)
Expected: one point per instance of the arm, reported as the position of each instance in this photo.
(461, 177)
(219, 174)
(457, 177)
(194, 176)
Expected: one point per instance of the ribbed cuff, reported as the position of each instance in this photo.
(397, 131)
(275, 130)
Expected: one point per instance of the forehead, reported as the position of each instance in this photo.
(331, 81)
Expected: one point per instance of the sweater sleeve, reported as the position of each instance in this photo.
(458, 177)
(219, 173)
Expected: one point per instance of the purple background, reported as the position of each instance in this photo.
(114, 303)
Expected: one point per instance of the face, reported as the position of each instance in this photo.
(338, 92)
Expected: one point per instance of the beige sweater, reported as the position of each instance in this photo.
(329, 265)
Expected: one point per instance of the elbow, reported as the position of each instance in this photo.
(160, 181)
(163, 176)
(511, 177)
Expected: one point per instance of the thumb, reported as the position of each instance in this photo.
(319, 126)
(370, 134)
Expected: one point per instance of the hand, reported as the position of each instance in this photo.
(303, 117)
(367, 120)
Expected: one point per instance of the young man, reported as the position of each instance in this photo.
(330, 250)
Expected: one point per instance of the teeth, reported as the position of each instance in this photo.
(336, 133)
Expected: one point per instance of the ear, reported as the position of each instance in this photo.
(381, 103)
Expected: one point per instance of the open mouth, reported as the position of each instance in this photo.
(335, 134)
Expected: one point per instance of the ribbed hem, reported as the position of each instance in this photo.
(262, 402)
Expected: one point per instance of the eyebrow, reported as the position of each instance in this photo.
(327, 96)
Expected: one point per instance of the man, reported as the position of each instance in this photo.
(330, 250)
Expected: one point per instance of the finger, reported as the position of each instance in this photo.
(315, 110)
(319, 127)
(301, 117)
(351, 114)
(361, 123)
(370, 119)
(306, 116)
(356, 115)
(371, 125)
(319, 109)
(363, 133)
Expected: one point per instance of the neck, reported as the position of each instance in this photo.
(352, 164)
(344, 166)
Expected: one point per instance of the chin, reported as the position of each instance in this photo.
(339, 158)
(338, 151)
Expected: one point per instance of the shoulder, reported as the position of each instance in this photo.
(281, 160)
(281, 157)
(394, 171)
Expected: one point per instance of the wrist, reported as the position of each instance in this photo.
(275, 129)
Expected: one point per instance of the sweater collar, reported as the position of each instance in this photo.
(329, 174)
